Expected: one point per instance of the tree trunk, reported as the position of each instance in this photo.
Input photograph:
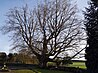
(43, 61)
(92, 59)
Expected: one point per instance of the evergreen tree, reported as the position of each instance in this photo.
(91, 23)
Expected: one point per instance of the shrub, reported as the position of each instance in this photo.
(51, 64)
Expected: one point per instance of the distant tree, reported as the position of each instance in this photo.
(21, 58)
(91, 23)
(3, 57)
(48, 30)
(10, 57)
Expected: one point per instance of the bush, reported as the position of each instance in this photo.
(51, 64)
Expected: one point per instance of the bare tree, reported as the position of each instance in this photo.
(48, 30)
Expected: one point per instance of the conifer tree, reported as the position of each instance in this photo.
(91, 23)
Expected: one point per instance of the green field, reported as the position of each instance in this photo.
(50, 71)
(78, 64)
(74, 64)
(22, 71)
(38, 71)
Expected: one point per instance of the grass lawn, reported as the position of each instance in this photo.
(78, 64)
(50, 71)
(37, 71)
(22, 71)
(75, 64)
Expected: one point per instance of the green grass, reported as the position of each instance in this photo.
(38, 71)
(51, 71)
(75, 64)
(22, 71)
(78, 64)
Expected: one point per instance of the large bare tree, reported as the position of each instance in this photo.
(47, 30)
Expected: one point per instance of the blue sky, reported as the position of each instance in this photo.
(5, 5)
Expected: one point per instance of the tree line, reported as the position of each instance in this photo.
(17, 58)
